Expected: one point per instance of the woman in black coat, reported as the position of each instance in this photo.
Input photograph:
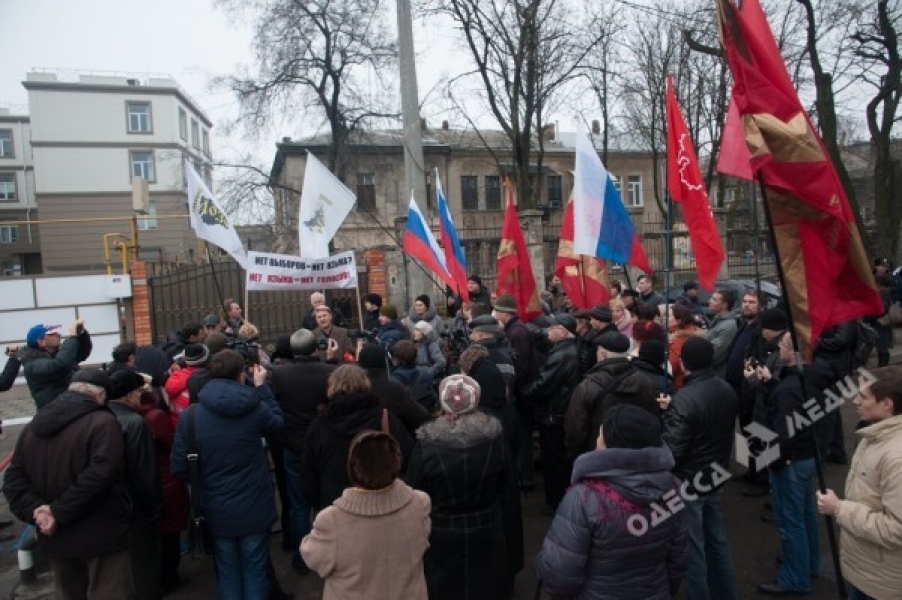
(461, 461)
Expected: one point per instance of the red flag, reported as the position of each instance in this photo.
(827, 272)
(584, 278)
(686, 187)
(514, 269)
(733, 158)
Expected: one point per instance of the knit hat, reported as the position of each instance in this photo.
(697, 353)
(773, 319)
(506, 304)
(96, 377)
(196, 355)
(475, 279)
(424, 299)
(628, 426)
(211, 320)
(565, 320)
(458, 394)
(613, 341)
(485, 324)
(374, 299)
(652, 352)
(371, 356)
(39, 331)
(374, 460)
(602, 313)
(124, 382)
(388, 310)
(423, 326)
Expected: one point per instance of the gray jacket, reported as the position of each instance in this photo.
(720, 334)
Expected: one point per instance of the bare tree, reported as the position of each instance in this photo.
(321, 60)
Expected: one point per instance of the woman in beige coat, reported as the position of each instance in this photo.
(370, 543)
(870, 517)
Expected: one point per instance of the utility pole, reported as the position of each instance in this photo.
(414, 166)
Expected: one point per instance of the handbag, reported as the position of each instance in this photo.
(198, 536)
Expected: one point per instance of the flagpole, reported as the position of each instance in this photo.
(818, 463)
(668, 264)
(213, 271)
(359, 307)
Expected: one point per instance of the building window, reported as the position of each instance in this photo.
(7, 150)
(148, 221)
(469, 192)
(206, 143)
(366, 191)
(11, 268)
(195, 134)
(183, 124)
(7, 187)
(9, 234)
(142, 164)
(555, 192)
(634, 190)
(616, 181)
(492, 192)
(139, 119)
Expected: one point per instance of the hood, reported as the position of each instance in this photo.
(604, 373)
(429, 315)
(229, 398)
(59, 414)
(349, 414)
(641, 476)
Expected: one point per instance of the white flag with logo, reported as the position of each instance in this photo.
(325, 203)
(208, 220)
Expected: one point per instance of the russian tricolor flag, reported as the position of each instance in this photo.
(419, 243)
(602, 227)
(455, 260)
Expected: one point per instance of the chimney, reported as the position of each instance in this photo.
(286, 140)
(548, 132)
(445, 125)
(596, 127)
(422, 124)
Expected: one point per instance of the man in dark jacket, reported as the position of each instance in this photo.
(371, 305)
(66, 479)
(392, 394)
(300, 389)
(192, 332)
(647, 294)
(486, 331)
(612, 381)
(391, 330)
(832, 360)
(698, 427)
(477, 292)
(48, 364)
(319, 299)
(650, 364)
(549, 394)
(142, 482)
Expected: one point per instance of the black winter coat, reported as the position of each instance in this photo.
(660, 380)
(10, 372)
(549, 393)
(70, 457)
(395, 396)
(324, 467)
(464, 467)
(699, 425)
(611, 382)
(142, 481)
(48, 375)
(786, 399)
(300, 388)
(591, 550)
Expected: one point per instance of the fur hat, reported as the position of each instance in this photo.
(96, 377)
(459, 394)
(628, 426)
(697, 353)
(388, 310)
(424, 299)
(196, 355)
(372, 356)
(506, 303)
(773, 319)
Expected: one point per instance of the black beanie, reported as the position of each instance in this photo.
(628, 426)
(372, 356)
(424, 299)
(773, 319)
(652, 352)
(697, 353)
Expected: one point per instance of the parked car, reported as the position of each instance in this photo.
(771, 292)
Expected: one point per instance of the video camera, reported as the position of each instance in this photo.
(249, 351)
(362, 334)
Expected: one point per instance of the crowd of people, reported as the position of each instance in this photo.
(401, 452)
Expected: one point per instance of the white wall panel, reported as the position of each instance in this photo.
(67, 291)
(16, 293)
(103, 349)
(14, 325)
(100, 319)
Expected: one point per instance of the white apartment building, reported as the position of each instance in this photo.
(90, 134)
(19, 246)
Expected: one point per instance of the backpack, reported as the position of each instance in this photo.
(865, 342)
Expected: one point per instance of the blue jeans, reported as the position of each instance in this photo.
(855, 594)
(709, 573)
(241, 565)
(299, 511)
(792, 493)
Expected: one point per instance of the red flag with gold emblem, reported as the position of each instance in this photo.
(583, 278)
(827, 272)
(514, 269)
(687, 188)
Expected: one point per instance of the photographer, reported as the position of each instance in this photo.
(49, 363)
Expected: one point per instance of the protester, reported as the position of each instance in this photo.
(319, 299)
(650, 363)
(232, 317)
(477, 291)
(194, 358)
(213, 324)
(591, 550)
(647, 294)
(422, 311)
(870, 517)
(176, 342)
(461, 461)
(390, 331)
(371, 304)
(682, 327)
(124, 356)
(392, 394)
(723, 326)
(429, 355)
(49, 362)
(622, 318)
(333, 342)
(370, 542)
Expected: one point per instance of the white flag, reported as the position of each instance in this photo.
(325, 203)
(208, 220)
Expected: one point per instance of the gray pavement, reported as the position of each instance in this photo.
(755, 544)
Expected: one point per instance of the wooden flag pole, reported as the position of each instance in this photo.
(359, 308)
(818, 462)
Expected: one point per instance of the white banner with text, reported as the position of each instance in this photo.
(267, 271)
